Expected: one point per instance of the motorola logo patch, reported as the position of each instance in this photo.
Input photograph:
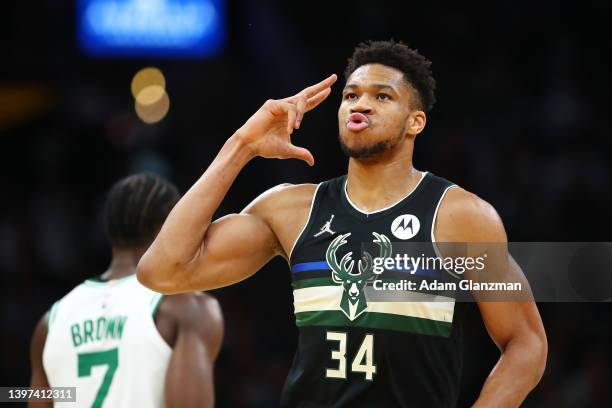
(405, 226)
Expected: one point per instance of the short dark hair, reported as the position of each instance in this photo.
(395, 54)
(136, 208)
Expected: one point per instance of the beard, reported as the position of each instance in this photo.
(364, 152)
(371, 150)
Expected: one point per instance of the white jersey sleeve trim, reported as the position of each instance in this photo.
(314, 196)
(433, 226)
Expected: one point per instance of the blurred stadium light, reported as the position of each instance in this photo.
(149, 90)
(151, 28)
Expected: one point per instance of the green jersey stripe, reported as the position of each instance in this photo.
(308, 283)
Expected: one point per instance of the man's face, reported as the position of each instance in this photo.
(375, 111)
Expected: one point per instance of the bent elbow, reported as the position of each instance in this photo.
(151, 275)
(146, 276)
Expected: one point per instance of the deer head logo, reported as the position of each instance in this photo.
(353, 302)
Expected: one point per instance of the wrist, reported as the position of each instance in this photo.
(239, 148)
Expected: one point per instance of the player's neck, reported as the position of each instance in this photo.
(123, 262)
(379, 183)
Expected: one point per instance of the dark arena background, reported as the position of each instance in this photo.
(522, 119)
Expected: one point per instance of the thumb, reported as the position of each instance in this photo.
(296, 152)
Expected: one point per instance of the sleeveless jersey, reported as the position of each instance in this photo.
(102, 339)
(358, 346)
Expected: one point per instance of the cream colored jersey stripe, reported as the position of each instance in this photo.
(322, 298)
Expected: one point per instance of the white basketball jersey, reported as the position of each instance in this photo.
(102, 340)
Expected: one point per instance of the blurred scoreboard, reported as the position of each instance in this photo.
(151, 28)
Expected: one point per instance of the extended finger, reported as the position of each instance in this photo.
(314, 101)
(315, 89)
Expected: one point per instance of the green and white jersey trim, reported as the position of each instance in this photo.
(317, 303)
(155, 302)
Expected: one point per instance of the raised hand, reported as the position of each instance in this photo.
(268, 132)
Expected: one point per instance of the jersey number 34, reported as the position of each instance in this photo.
(363, 362)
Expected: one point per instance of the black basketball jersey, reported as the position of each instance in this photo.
(359, 346)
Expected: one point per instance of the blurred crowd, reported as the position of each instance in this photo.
(522, 119)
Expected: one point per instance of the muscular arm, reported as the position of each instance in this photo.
(515, 326)
(39, 378)
(199, 335)
(193, 253)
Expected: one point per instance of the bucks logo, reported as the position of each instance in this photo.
(353, 302)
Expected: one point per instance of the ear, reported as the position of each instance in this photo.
(416, 122)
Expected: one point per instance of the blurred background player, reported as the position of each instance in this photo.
(119, 343)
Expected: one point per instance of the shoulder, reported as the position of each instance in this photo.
(465, 217)
(282, 196)
(196, 316)
(285, 202)
(284, 209)
(198, 310)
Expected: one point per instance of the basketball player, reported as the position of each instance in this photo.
(119, 343)
(352, 352)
